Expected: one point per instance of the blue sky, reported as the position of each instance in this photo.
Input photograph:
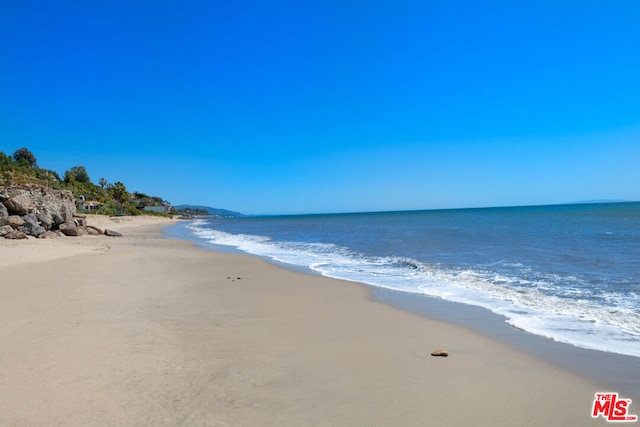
(330, 106)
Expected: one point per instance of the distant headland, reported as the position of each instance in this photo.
(191, 210)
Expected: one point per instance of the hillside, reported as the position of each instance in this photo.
(206, 211)
(22, 168)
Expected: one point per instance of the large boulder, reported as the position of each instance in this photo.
(69, 228)
(5, 229)
(56, 218)
(45, 219)
(3, 210)
(93, 229)
(67, 213)
(112, 233)
(13, 220)
(17, 206)
(31, 226)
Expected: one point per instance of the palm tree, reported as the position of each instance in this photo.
(120, 194)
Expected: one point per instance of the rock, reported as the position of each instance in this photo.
(15, 235)
(50, 235)
(5, 229)
(56, 218)
(112, 233)
(69, 228)
(16, 207)
(34, 210)
(94, 228)
(30, 198)
(92, 231)
(80, 220)
(15, 221)
(67, 213)
(441, 353)
(45, 219)
(31, 226)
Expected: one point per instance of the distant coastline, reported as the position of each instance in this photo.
(207, 210)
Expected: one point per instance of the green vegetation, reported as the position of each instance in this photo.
(22, 168)
(77, 174)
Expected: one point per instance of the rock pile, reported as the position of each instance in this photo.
(33, 210)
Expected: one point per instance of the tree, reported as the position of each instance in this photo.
(4, 159)
(77, 174)
(23, 154)
(103, 183)
(120, 194)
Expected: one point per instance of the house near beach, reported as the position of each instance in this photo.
(88, 205)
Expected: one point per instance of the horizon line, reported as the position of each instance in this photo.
(581, 202)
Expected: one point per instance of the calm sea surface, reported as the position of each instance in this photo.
(569, 272)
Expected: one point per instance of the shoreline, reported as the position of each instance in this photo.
(614, 371)
(146, 329)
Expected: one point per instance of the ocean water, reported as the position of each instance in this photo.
(569, 272)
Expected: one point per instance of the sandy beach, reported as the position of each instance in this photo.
(145, 330)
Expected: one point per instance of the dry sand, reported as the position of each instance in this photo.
(142, 330)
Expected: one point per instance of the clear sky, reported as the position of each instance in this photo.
(330, 106)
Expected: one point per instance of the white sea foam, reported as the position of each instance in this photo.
(566, 314)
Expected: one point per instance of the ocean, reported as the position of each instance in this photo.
(570, 273)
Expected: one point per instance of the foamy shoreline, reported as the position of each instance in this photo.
(615, 371)
(144, 330)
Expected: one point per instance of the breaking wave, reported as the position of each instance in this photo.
(559, 308)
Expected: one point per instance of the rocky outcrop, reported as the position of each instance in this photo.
(33, 210)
